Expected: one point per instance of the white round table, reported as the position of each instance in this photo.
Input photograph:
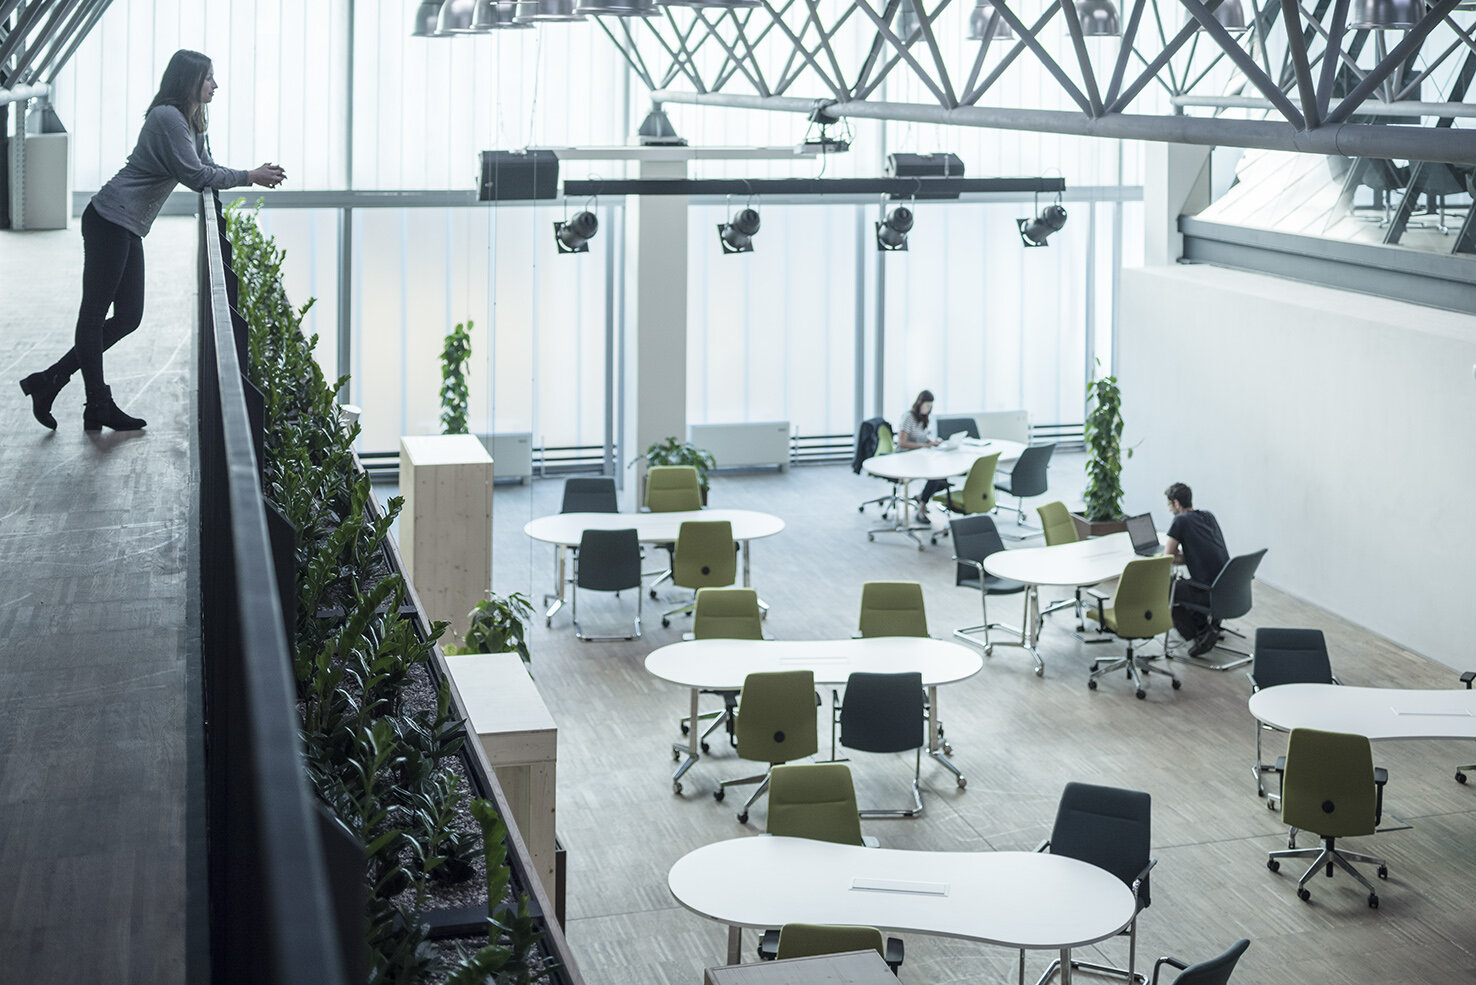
(1028, 900)
(565, 530)
(932, 463)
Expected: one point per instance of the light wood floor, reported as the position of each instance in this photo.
(1019, 739)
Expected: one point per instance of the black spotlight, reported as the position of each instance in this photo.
(891, 232)
(1034, 232)
(573, 235)
(737, 236)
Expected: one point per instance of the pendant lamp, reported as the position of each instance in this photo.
(456, 17)
(541, 11)
(497, 15)
(426, 17)
(979, 23)
(1098, 19)
(1384, 15)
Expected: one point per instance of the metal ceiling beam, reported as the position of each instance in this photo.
(1450, 146)
(1403, 108)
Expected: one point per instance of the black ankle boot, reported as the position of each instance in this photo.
(42, 388)
(102, 412)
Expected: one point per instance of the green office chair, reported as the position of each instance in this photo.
(803, 940)
(1057, 527)
(723, 614)
(776, 724)
(706, 557)
(1328, 789)
(885, 445)
(1139, 611)
(1215, 971)
(671, 489)
(892, 608)
(977, 494)
(816, 801)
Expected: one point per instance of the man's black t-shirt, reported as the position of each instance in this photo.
(1203, 545)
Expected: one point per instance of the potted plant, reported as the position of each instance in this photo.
(454, 355)
(1102, 513)
(673, 452)
(498, 624)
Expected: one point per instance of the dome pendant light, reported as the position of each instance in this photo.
(979, 23)
(1385, 15)
(1098, 19)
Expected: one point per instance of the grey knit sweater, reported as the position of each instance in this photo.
(169, 152)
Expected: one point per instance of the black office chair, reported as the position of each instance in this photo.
(1229, 598)
(608, 561)
(1027, 477)
(1215, 971)
(948, 426)
(974, 539)
(1111, 828)
(1291, 656)
(883, 713)
(590, 495)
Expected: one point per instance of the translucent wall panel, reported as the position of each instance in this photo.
(983, 322)
(771, 334)
(310, 237)
(539, 323)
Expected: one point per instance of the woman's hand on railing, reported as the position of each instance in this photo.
(268, 175)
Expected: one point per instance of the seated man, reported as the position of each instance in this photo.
(1194, 540)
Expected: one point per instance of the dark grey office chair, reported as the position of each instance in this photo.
(1215, 971)
(1291, 656)
(947, 426)
(608, 561)
(883, 713)
(1466, 679)
(1027, 477)
(974, 539)
(1111, 828)
(1229, 598)
(594, 494)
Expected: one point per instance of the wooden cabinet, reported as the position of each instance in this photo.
(446, 525)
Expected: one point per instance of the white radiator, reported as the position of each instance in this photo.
(1011, 425)
(512, 455)
(744, 445)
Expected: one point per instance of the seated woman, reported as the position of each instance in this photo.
(913, 432)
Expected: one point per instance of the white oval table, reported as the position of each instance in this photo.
(1377, 712)
(1076, 565)
(565, 530)
(721, 665)
(932, 463)
(1023, 900)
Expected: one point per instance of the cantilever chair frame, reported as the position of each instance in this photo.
(1020, 523)
(1234, 565)
(837, 716)
(574, 600)
(1217, 969)
(968, 634)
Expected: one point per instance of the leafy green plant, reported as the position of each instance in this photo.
(670, 451)
(1103, 434)
(454, 355)
(498, 624)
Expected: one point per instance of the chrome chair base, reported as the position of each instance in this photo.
(915, 810)
(1136, 665)
(762, 779)
(1327, 855)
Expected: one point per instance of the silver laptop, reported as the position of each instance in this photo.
(1144, 535)
(954, 440)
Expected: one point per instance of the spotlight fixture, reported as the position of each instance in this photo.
(737, 236)
(1385, 15)
(979, 20)
(573, 235)
(1034, 232)
(426, 17)
(1098, 19)
(891, 232)
(456, 17)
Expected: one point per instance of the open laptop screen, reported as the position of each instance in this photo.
(1143, 534)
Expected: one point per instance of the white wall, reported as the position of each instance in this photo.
(1332, 428)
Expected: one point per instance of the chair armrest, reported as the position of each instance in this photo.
(1157, 965)
(1138, 879)
(1467, 678)
(1252, 678)
(1099, 596)
(1042, 846)
(1335, 680)
(979, 567)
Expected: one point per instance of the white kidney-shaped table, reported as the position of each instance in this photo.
(1077, 565)
(721, 665)
(1377, 712)
(565, 530)
(1021, 900)
(932, 463)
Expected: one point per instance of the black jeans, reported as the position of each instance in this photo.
(112, 276)
(931, 488)
(1188, 622)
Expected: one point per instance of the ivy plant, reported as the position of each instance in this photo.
(1103, 434)
(454, 355)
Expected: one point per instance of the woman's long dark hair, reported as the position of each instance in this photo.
(180, 87)
(926, 397)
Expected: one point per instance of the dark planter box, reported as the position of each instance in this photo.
(1096, 528)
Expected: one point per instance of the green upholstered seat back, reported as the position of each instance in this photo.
(776, 716)
(801, 940)
(670, 488)
(885, 445)
(977, 495)
(814, 800)
(727, 614)
(892, 608)
(1056, 524)
(1140, 608)
(705, 556)
(1328, 786)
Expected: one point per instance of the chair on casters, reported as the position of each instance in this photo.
(1290, 656)
(608, 561)
(1466, 679)
(1215, 971)
(884, 713)
(1027, 477)
(1111, 828)
(671, 489)
(776, 724)
(886, 444)
(1139, 611)
(974, 539)
(1328, 789)
(1227, 597)
(723, 614)
(803, 940)
(705, 557)
(949, 426)
(1057, 527)
(892, 608)
(977, 494)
